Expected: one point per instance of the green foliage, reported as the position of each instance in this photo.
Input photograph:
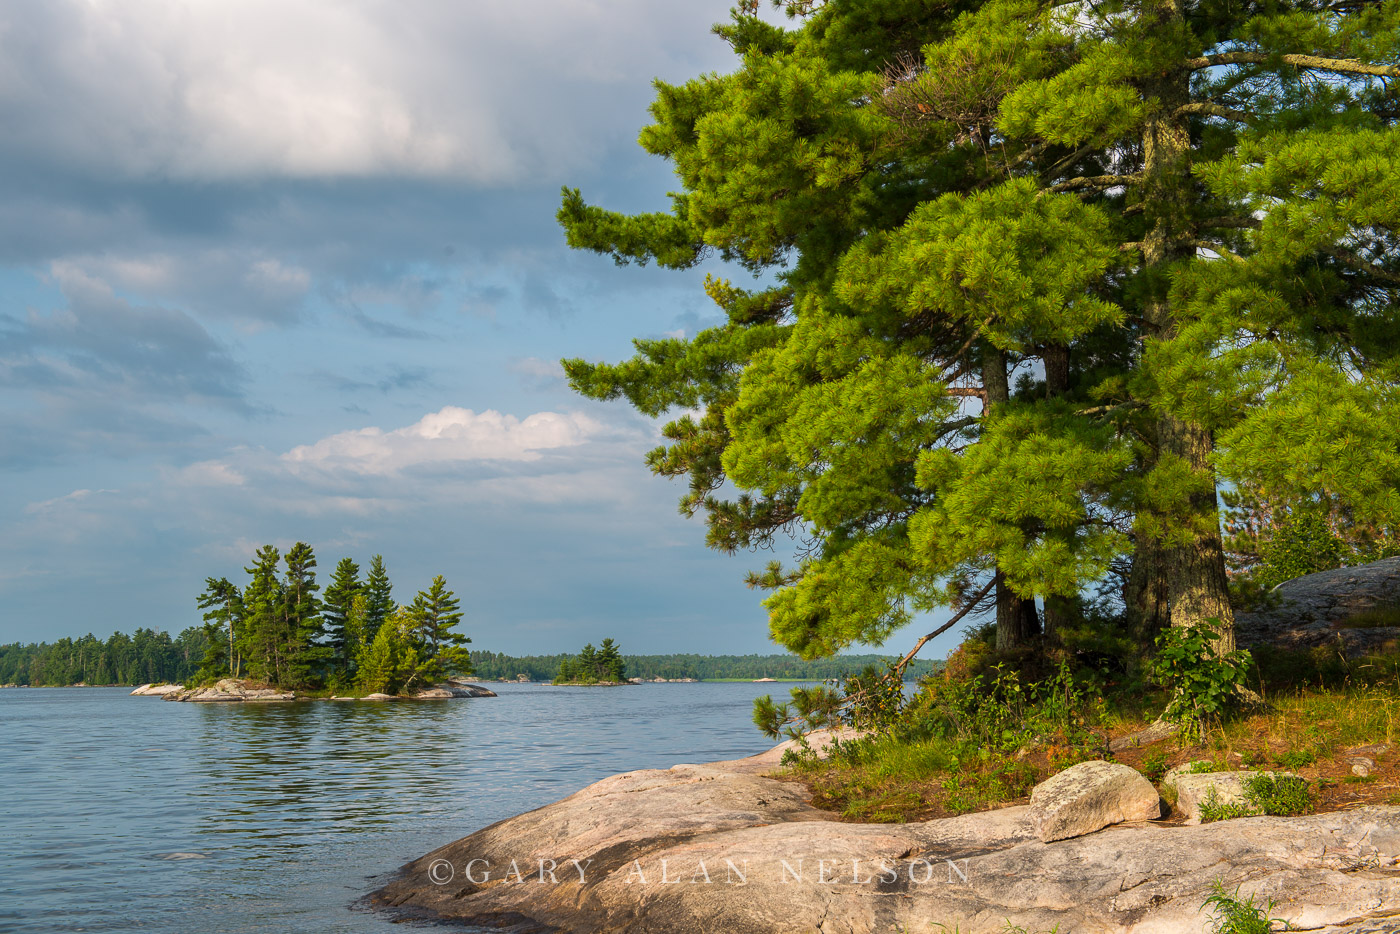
(1213, 809)
(434, 615)
(699, 667)
(1279, 795)
(145, 656)
(593, 666)
(1205, 686)
(1232, 915)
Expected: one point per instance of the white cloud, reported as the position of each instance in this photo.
(452, 435)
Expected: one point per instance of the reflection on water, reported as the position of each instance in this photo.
(134, 814)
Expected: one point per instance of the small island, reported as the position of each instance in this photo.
(600, 667)
(275, 639)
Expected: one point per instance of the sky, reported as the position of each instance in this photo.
(289, 271)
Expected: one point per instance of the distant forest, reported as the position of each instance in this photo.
(494, 665)
(150, 656)
(145, 656)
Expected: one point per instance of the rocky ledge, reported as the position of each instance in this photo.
(234, 690)
(720, 847)
(1316, 609)
(157, 690)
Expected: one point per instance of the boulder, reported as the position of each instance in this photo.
(156, 690)
(717, 848)
(1313, 610)
(378, 696)
(453, 689)
(1091, 796)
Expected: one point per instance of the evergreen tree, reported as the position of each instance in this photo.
(264, 631)
(391, 663)
(1180, 218)
(609, 662)
(435, 613)
(222, 604)
(379, 599)
(336, 602)
(306, 656)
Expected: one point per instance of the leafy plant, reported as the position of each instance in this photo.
(1213, 809)
(1154, 764)
(1296, 758)
(1235, 916)
(1279, 795)
(1205, 685)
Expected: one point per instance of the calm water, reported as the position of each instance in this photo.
(133, 814)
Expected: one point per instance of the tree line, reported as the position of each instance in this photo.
(1039, 283)
(143, 657)
(353, 636)
(496, 665)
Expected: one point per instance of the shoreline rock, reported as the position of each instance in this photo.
(720, 847)
(236, 690)
(1315, 609)
(156, 690)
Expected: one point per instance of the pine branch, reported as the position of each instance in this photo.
(1344, 66)
(1235, 222)
(1216, 249)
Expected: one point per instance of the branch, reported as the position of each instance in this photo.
(1096, 181)
(1346, 66)
(1347, 257)
(966, 391)
(971, 605)
(1238, 222)
(1216, 110)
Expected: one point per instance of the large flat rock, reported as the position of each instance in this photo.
(1312, 610)
(712, 848)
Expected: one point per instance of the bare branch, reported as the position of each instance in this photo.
(1096, 181)
(1345, 66)
(968, 608)
(1216, 110)
(1349, 258)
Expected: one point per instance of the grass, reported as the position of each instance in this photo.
(1231, 915)
(1374, 618)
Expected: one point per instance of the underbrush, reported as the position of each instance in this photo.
(982, 734)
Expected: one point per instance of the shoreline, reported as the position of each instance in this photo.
(722, 846)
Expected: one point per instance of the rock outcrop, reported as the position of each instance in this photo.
(1313, 610)
(1091, 796)
(231, 690)
(157, 690)
(720, 848)
(1220, 789)
(454, 689)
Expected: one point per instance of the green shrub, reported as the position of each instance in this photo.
(1279, 795)
(1204, 685)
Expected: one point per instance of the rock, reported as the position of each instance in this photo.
(1361, 766)
(378, 696)
(157, 690)
(1311, 609)
(1091, 796)
(646, 842)
(1228, 787)
(1158, 731)
(231, 690)
(820, 742)
(1187, 768)
(454, 689)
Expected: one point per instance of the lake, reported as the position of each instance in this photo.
(135, 814)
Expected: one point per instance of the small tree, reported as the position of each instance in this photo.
(435, 613)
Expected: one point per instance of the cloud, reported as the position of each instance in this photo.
(227, 88)
(103, 344)
(452, 435)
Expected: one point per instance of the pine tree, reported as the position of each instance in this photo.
(306, 656)
(336, 602)
(379, 604)
(435, 613)
(264, 633)
(223, 606)
(391, 663)
(1183, 218)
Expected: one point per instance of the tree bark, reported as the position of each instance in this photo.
(1196, 586)
(1013, 626)
(1056, 357)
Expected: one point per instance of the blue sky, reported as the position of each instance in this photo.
(281, 271)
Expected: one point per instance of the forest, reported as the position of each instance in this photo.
(496, 666)
(145, 656)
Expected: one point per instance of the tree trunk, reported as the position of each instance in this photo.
(1013, 626)
(1059, 613)
(1056, 358)
(1195, 570)
(1145, 595)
